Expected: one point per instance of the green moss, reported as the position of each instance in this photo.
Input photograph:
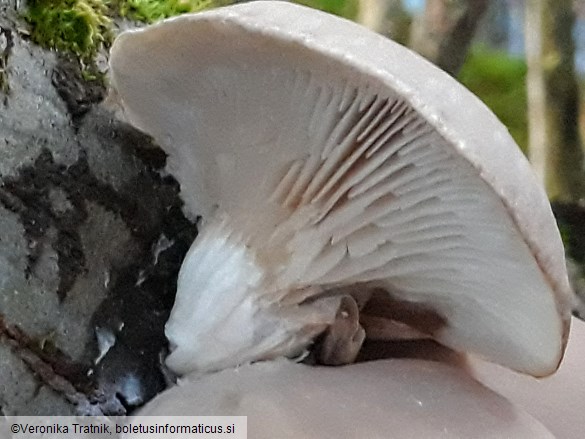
(82, 27)
(77, 26)
(150, 11)
(500, 82)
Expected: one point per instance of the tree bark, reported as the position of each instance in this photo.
(555, 148)
(91, 240)
(444, 32)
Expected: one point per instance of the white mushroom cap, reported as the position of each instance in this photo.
(380, 399)
(323, 155)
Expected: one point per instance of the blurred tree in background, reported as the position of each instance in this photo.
(537, 97)
(443, 33)
(387, 17)
(555, 148)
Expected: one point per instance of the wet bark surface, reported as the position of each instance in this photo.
(91, 239)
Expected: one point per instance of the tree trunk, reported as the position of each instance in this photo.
(553, 103)
(494, 30)
(444, 32)
(387, 17)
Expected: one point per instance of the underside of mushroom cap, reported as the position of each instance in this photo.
(365, 163)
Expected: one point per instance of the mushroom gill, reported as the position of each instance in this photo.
(324, 159)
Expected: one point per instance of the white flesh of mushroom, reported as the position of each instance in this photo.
(326, 159)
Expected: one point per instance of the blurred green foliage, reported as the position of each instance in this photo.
(150, 11)
(500, 82)
(343, 8)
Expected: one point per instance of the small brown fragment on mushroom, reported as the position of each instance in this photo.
(344, 337)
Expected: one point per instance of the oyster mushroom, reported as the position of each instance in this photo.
(327, 162)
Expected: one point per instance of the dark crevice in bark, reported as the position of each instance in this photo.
(136, 311)
(6, 45)
(78, 90)
(28, 195)
(141, 293)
